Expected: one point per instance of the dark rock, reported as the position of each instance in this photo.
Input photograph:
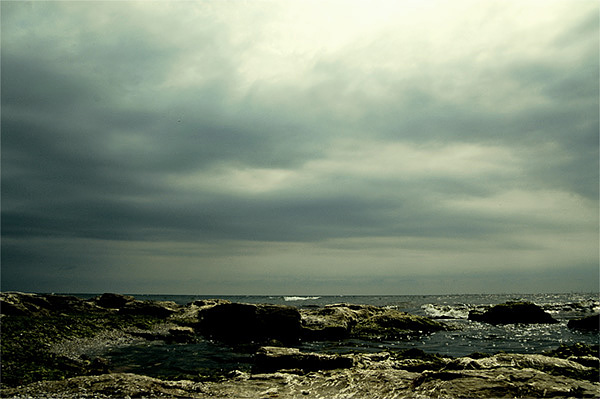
(181, 335)
(271, 358)
(243, 323)
(113, 301)
(589, 323)
(157, 309)
(69, 304)
(513, 312)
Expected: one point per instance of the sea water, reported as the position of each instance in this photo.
(466, 337)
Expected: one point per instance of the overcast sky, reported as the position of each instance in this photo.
(300, 147)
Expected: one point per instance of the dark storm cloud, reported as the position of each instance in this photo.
(180, 124)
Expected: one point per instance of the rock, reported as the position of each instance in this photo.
(375, 376)
(188, 314)
(271, 358)
(117, 385)
(113, 301)
(392, 324)
(69, 304)
(245, 323)
(333, 322)
(159, 309)
(513, 312)
(24, 304)
(500, 382)
(37, 305)
(547, 364)
(181, 335)
(589, 323)
(340, 321)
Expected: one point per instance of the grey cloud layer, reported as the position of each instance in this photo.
(177, 123)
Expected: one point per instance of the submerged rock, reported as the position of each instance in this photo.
(512, 313)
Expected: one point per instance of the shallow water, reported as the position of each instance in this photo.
(205, 357)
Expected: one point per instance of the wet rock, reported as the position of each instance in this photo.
(118, 385)
(372, 376)
(415, 359)
(158, 309)
(513, 312)
(341, 321)
(243, 323)
(270, 358)
(181, 335)
(501, 382)
(113, 301)
(189, 313)
(589, 323)
(547, 364)
(24, 304)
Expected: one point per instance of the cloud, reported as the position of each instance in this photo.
(409, 139)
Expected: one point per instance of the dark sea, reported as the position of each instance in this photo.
(168, 360)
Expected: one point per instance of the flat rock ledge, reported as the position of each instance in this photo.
(379, 375)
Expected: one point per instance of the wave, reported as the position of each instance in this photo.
(299, 298)
(437, 311)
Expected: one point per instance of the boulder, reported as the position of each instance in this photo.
(113, 301)
(512, 313)
(246, 323)
(588, 323)
(271, 358)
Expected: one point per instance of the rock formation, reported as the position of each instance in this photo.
(379, 375)
(513, 312)
(588, 323)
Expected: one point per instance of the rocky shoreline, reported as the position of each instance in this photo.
(52, 346)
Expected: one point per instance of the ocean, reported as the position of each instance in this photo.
(170, 360)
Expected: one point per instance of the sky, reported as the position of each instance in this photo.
(300, 147)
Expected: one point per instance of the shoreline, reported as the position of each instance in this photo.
(73, 334)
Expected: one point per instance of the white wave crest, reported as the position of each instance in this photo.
(299, 298)
(437, 311)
